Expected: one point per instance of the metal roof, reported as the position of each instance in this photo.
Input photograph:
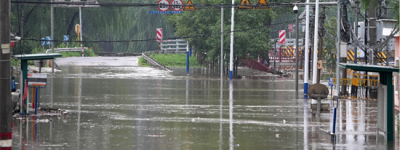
(370, 68)
(38, 56)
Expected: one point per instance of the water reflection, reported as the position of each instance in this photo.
(221, 112)
(231, 116)
(190, 113)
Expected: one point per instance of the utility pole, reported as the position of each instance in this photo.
(231, 53)
(385, 4)
(5, 76)
(222, 42)
(315, 59)
(366, 50)
(275, 57)
(344, 73)
(306, 49)
(372, 27)
(295, 10)
(52, 34)
(321, 42)
(357, 2)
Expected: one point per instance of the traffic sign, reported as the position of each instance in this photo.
(189, 6)
(262, 4)
(245, 4)
(43, 41)
(159, 34)
(66, 38)
(290, 27)
(48, 39)
(163, 5)
(37, 79)
(177, 5)
(330, 82)
(282, 36)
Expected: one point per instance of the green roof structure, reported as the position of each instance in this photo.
(37, 56)
(385, 79)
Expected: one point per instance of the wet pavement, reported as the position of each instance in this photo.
(130, 107)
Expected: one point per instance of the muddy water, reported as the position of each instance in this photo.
(130, 107)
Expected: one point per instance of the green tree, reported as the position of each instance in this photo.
(208, 22)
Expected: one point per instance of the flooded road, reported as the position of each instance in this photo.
(129, 107)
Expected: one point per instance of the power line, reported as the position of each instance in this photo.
(127, 4)
(186, 37)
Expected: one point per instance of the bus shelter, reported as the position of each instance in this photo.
(385, 110)
(24, 67)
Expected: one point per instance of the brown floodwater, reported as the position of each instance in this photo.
(130, 107)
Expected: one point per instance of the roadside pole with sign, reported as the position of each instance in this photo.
(290, 27)
(36, 81)
(48, 40)
(43, 42)
(66, 39)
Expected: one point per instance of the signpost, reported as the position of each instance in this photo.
(189, 6)
(282, 36)
(177, 5)
(159, 35)
(290, 27)
(48, 39)
(66, 39)
(163, 5)
(43, 41)
(36, 80)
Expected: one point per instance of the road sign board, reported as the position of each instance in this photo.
(189, 6)
(330, 82)
(159, 34)
(245, 4)
(37, 79)
(177, 5)
(290, 27)
(282, 36)
(262, 4)
(360, 53)
(43, 41)
(163, 5)
(48, 39)
(66, 38)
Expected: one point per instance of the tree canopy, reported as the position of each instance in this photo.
(251, 33)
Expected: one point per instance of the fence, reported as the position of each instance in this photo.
(361, 86)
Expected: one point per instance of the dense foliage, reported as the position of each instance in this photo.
(208, 21)
(31, 21)
(175, 60)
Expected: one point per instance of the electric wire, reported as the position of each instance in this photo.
(172, 38)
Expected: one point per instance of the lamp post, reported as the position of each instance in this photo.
(276, 40)
(295, 10)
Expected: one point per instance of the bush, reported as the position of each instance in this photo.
(143, 62)
(175, 60)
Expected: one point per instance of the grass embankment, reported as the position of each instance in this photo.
(143, 62)
(174, 60)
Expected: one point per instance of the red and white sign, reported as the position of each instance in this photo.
(177, 5)
(159, 34)
(282, 36)
(163, 5)
(290, 27)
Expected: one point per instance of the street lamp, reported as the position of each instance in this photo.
(295, 10)
(274, 41)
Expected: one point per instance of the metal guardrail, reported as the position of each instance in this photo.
(154, 62)
(365, 86)
(76, 49)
